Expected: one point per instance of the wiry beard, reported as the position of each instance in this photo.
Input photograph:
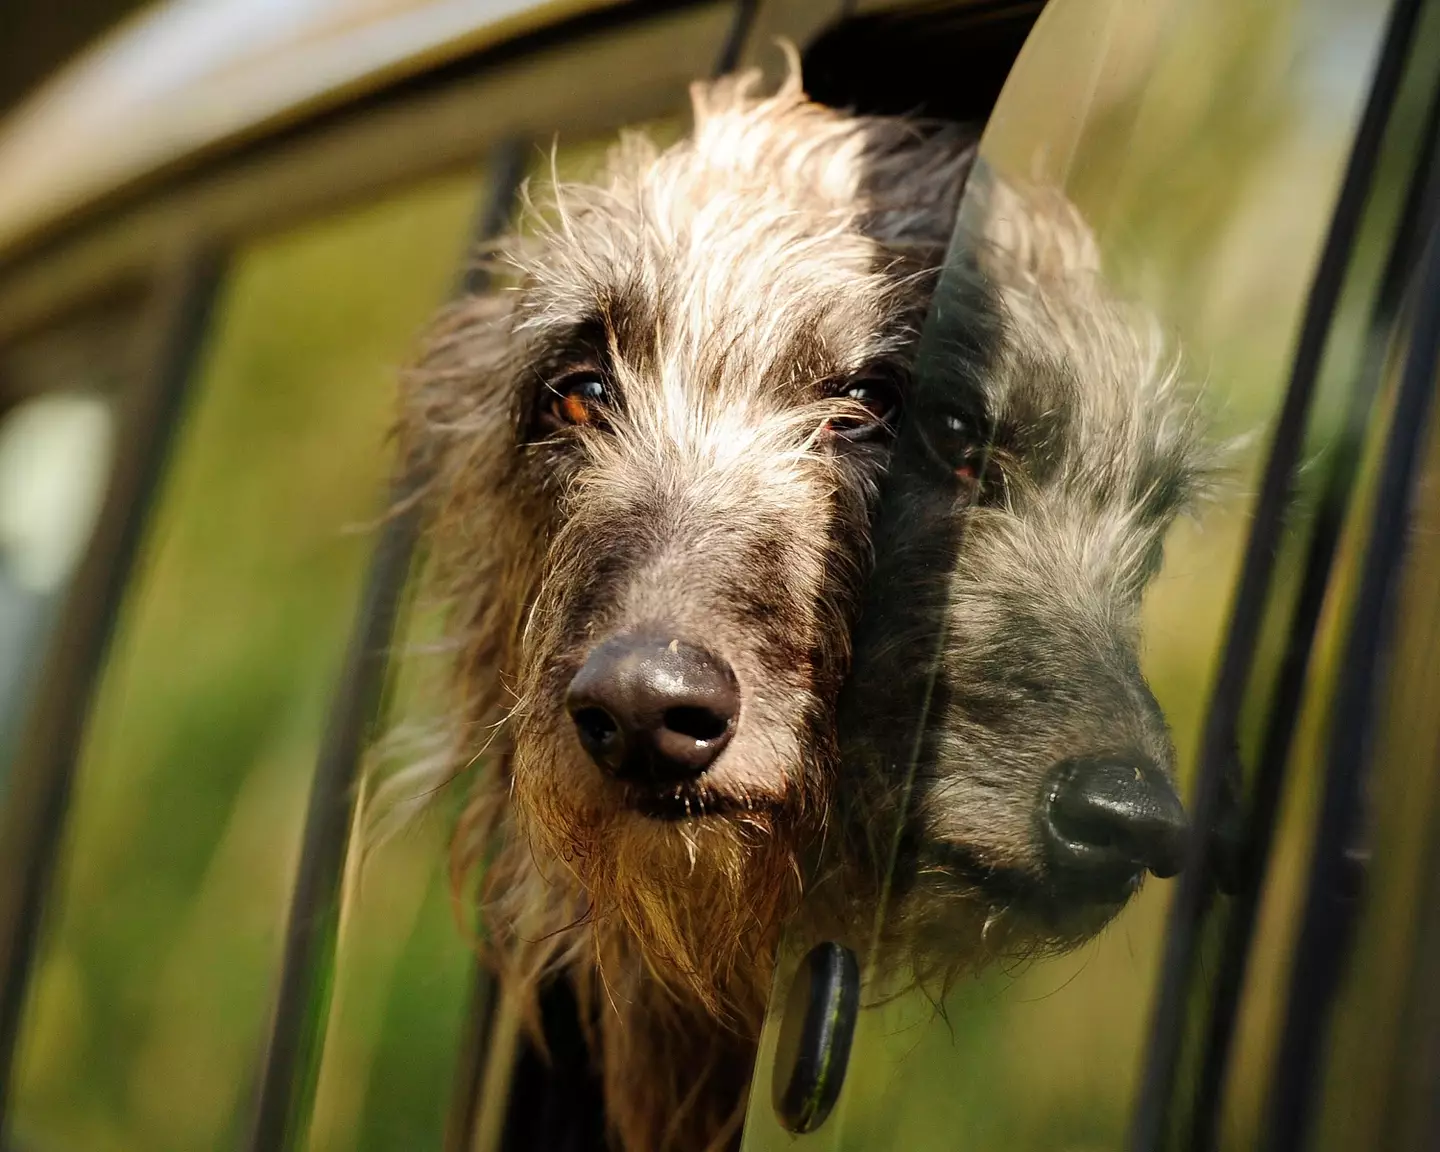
(699, 901)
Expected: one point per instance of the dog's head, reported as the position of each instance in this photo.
(657, 454)
(1048, 451)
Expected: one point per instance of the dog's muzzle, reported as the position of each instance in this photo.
(1107, 821)
(653, 712)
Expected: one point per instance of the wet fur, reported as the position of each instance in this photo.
(731, 286)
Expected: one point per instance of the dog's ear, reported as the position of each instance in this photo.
(1045, 260)
(459, 430)
(460, 426)
(461, 390)
(455, 426)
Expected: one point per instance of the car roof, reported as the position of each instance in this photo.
(189, 77)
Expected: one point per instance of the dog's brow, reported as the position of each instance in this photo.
(630, 319)
(584, 337)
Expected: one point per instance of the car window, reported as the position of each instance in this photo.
(1203, 143)
(148, 1010)
(57, 392)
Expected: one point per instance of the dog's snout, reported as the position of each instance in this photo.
(1107, 821)
(652, 711)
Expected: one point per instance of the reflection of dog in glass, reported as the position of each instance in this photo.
(655, 464)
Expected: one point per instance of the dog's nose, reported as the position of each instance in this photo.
(653, 711)
(1107, 821)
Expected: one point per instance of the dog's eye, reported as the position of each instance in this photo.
(963, 447)
(956, 441)
(881, 401)
(577, 399)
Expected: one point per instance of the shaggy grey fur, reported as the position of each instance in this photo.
(752, 300)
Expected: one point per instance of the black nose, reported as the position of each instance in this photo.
(653, 711)
(1107, 821)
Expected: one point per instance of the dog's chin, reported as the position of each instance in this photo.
(1069, 922)
(1039, 911)
(696, 802)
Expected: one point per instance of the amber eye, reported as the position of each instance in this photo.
(881, 401)
(578, 399)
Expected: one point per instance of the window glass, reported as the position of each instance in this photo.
(149, 1007)
(56, 418)
(1203, 143)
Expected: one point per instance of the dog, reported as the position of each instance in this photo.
(663, 467)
